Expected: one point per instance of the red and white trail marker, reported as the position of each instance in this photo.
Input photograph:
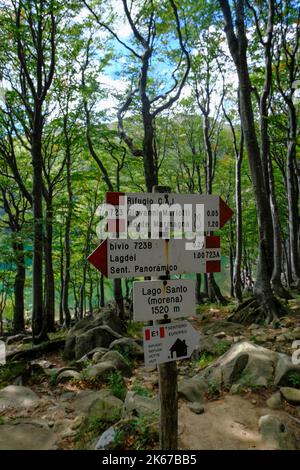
(170, 342)
(116, 258)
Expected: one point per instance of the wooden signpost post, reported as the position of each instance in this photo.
(161, 299)
(168, 382)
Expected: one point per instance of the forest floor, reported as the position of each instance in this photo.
(227, 420)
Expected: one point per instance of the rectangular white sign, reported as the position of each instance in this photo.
(210, 213)
(133, 258)
(158, 300)
(186, 212)
(169, 342)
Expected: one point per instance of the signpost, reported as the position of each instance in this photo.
(163, 299)
(169, 342)
(216, 211)
(160, 300)
(129, 258)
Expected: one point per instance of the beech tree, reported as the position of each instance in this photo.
(147, 33)
(238, 147)
(32, 29)
(267, 306)
(287, 71)
(15, 206)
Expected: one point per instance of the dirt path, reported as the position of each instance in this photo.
(228, 423)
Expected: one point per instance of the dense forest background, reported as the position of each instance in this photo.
(116, 95)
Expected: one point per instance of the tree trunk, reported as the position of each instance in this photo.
(231, 259)
(39, 320)
(262, 287)
(292, 196)
(91, 291)
(238, 48)
(150, 168)
(82, 293)
(288, 270)
(206, 285)
(265, 96)
(76, 303)
(67, 248)
(198, 289)
(127, 291)
(266, 158)
(237, 281)
(102, 298)
(118, 295)
(276, 281)
(98, 295)
(61, 270)
(18, 319)
(49, 273)
(214, 291)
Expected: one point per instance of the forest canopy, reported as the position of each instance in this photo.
(121, 95)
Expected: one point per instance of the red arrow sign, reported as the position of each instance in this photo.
(133, 258)
(99, 258)
(225, 212)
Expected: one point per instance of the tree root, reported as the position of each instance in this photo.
(261, 311)
(215, 294)
(295, 286)
(280, 291)
(36, 351)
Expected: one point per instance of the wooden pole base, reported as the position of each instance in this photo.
(168, 436)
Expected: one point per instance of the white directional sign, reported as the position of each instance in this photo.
(169, 342)
(158, 300)
(129, 258)
(215, 211)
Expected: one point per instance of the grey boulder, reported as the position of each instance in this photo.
(119, 362)
(292, 395)
(107, 439)
(84, 400)
(107, 317)
(244, 363)
(212, 345)
(26, 436)
(137, 405)
(286, 371)
(275, 402)
(106, 407)
(276, 434)
(100, 336)
(100, 371)
(230, 328)
(129, 347)
(67, 375)
(96, 353)
(192, 389)
(197, 408)
(17, 396)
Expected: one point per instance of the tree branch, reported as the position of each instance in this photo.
(105, 26)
